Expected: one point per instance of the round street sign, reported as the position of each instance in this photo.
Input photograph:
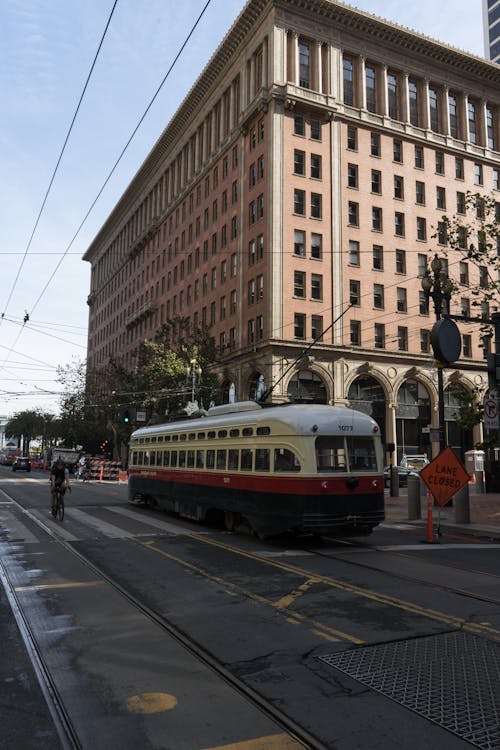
(446, 340)
(491, 413)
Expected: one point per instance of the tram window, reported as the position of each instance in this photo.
(146, 458)
(192, 436)
(263, 430)
(262, 459)
(175, 438)
(285, 460)
(221, 459)
(233, 457)
(211, 434)
(183, 436)
(222, 433)
(201, 436)
(166, 456)
(173, 458)
(160, 439)
(234, 433)
(153, 440)
(361, 452)
(152, 458)
(141, 440)
(210, 459)
(199, 459)
(247, 431)
(330, 454)
(167, 438)
(146, 440)
(182, 459)
(134, 458)
(246, 459)
(190, 459)
(140, 458)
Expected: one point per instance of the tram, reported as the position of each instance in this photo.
(301, 468)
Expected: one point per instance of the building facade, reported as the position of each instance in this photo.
(491, 22)
(291, 203)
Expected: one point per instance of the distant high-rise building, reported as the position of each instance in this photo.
(491, 18)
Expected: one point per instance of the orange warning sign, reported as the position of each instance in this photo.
(444, 476)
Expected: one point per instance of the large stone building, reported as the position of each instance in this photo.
(307, 171)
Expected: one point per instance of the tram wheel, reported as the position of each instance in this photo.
(231, 520)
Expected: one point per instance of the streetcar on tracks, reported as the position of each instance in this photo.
(292, 468)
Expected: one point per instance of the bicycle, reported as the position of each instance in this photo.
(58, 509)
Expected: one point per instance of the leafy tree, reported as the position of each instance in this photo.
(26, 425)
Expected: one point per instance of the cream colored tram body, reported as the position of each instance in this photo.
(304, 468)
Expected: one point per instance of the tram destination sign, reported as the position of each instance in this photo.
(444, 476)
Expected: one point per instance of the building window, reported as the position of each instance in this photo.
(260, 286)
(442, 234)
(304, 65)
(402, 304)
(315, 166)
(402, 338)
(260, 247)
(260, 327)
(490, 128)
(419, 157)
(453, 114)
(496, 179)
(399, 190)
(355, 332)
(441, 198)
(260, 206)
(425, 341)
(421, 265)
(423, 304)
(483, 277)
(378, 296)
(251, 331)
(392, 96)
(252, 212)
(420, 193)
(376, 219)
(234, 265)
(465, 306)
(478, 174)
(353, 253)
(316, 205)
(299, 202)
(421, 229)
(376, 181)
(232, 302)
(299, 245)
(353, 214)
(352, 175)
(299, 284)
(354, 293)
(466, 345)
(316, 246)
(316, 286)
(299, 162)
(299, 125)
(399, 224)
(413, 102)
(471, 116)
(378, 257)
(348, 78)
(316, 327)
(434, 109)
(352, 138)
(397, 151)
(400, 261)
(299, 326)
(371, 90)
(379, 335)
(252, 174)
(459, 168)
(460, 203)
(315, 125)
(375, 144)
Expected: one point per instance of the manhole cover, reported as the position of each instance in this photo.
(451, 679)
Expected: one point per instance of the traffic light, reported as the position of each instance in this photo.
(126, 416)
(493, 362)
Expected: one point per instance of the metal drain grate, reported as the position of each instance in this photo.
(451, 679)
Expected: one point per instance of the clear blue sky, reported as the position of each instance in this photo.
(47, 49)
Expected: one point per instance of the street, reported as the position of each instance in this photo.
(159, 632)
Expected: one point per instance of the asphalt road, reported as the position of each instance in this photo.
(162, 633)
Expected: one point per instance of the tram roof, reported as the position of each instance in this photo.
(291, 418)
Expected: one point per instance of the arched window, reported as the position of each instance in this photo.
(367, 395)
(413, 414)
(457, 436)
(307, 387)
(257, 387)
(228, 392)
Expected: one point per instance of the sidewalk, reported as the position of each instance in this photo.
(484, 514)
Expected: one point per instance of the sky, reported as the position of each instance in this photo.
(48, 47)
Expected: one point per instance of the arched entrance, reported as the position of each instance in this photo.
(256, 387)
(307, 387)
(456, 436)
(228, 392)
(367, 395)
(413, 413)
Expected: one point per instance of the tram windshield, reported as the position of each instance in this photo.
(336, 453)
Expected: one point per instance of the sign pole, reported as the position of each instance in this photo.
(430, 503)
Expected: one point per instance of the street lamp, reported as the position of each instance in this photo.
(193, 375)
(439, 289)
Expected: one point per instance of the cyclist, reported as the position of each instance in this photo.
(59, 478)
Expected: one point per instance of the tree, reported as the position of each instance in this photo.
(84, 407)
(26, 425)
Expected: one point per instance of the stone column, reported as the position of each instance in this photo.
(362, 82)
(426, 113)
(383, 98)
(319, 68)
(445, 119)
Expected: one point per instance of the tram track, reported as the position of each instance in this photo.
(65, 728)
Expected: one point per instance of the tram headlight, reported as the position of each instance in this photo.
(325, 486)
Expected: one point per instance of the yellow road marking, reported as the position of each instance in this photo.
(69, 585)
(273, 742)
(286, 601)
(249, 594)
(151, 703)
(452, 620)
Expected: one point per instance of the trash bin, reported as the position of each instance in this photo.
(414, 510)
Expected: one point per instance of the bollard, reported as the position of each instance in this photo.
(394, 481)
(461, 504)
(414, 511)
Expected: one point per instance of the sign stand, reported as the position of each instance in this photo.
(430, 502)
(444, 476)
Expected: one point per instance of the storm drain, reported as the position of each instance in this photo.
(451, 679)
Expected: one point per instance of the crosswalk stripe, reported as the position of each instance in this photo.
(153, 521)
(107, 529)
(15, 528)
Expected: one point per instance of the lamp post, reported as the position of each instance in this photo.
(193, 373)
(439, 289)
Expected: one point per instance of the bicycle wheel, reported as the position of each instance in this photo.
(60, 507)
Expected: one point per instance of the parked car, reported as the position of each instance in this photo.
(409, 465)
(21, 463)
